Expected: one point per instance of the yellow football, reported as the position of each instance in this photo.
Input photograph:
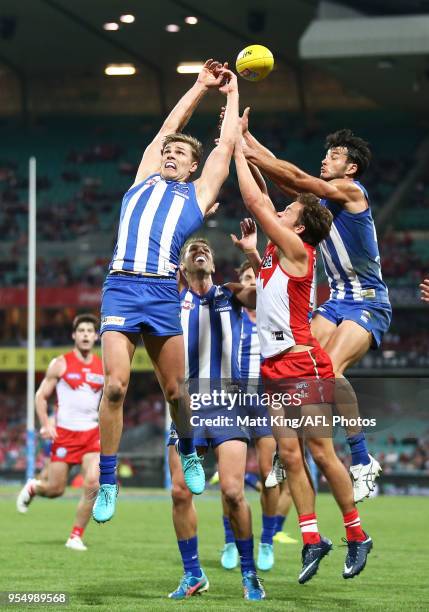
(254, 63)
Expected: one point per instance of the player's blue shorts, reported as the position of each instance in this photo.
(140, 304)
(375, 317)
(207, 436)
(46, 447)
(257, 413)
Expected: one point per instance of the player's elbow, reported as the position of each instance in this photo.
(168, 127)
(40, 400)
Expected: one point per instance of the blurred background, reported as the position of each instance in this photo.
(362, 64)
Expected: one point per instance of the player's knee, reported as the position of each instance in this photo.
(180, 494)
(55, 490)
(173, 391)
(233, 494)
(320, 455)
(115, 390)
(291, 458)
(265, 466)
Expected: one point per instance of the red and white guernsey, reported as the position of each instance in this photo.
(284, 303)
(79, 392)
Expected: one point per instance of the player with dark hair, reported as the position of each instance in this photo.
(159, 212)
(358, 312)
(211, 317)
(77, 378)
(295, 365)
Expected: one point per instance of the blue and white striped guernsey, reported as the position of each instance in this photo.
(250, 352)
(157, 217)
(351, 256)
(211, 334)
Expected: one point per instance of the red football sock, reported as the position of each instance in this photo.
(77, 532)
(309, 530)
(354, 532)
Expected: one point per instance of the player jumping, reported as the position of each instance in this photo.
(77, 378)
(358, 313)
(140, 297)
(285, 291)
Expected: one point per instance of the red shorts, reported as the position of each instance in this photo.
(307, 376)
(70, 446)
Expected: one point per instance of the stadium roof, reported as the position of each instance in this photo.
(388, 7)
(66, 38)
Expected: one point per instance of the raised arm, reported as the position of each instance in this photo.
(284, 238)
(54, 372)
(290, 178)
(209, 78)
(216, 168)
(248, 243)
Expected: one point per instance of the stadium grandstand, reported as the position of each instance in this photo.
(358, 64)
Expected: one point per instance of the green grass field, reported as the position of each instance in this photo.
(133, 562)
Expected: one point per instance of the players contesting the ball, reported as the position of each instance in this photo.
(140, 296)
(293, 357)
(358, 312)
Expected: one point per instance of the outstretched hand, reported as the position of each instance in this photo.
(243, 121)
(424, 287)
(229, 81)
(249, 237)
(211, 74)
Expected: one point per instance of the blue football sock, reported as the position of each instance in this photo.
(189, 552)
(229, 535)
(280, 521)
(268, 529)
(359, 449)
(245, 550)
(251, 480)
(186, 446)
(108, 469)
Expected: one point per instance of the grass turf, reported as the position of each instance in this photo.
(133, 561)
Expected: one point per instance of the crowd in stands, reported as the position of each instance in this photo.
(90, 186)
(402, 264)
(397, 455)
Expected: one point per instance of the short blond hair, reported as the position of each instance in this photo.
(196, 146)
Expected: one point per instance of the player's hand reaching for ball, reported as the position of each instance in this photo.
(249, 237)
(424, 287)
(243, 121)
(211, 74)
(229, 82)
